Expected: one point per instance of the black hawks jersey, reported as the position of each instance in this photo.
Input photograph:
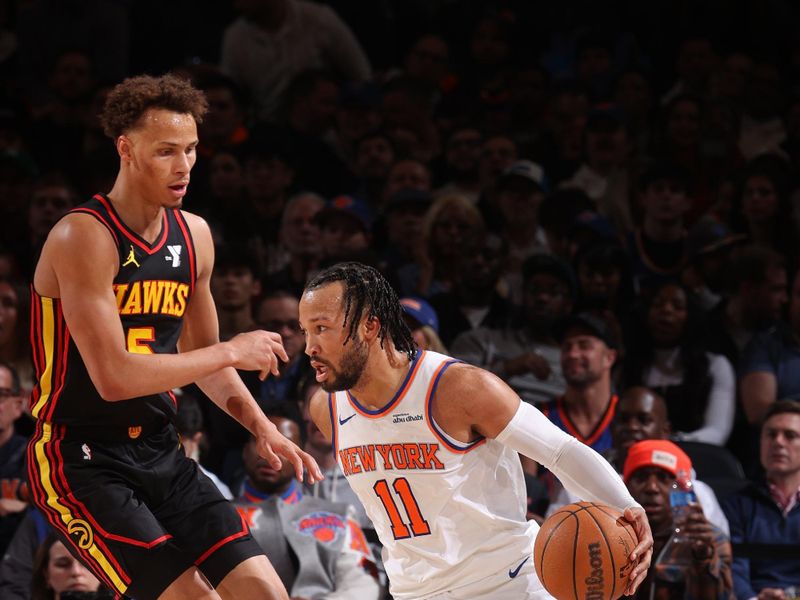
(152, 287)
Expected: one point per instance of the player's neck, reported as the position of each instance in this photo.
(383, 375)
(139, 214)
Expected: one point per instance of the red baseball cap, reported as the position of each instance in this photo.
(656, 453)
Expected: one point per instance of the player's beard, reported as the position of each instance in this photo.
(352, 366)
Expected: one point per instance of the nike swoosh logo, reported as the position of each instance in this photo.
(515, 572)
(343, 421)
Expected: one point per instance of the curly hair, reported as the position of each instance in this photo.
(128, 101)
(366, 291)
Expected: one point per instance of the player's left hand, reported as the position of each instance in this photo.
(271, 443)
(643, 553)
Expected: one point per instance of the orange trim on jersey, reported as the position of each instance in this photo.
(131, 235)
(429, 413)
(334, 413)
(184, 227)
(394, 402)
(597, 431)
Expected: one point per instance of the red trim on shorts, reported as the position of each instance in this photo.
(222, 542)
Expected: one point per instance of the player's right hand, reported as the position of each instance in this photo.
(258, 351)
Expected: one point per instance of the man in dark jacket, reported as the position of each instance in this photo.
(764, 518)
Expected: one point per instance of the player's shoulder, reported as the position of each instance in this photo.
(194, 221)
(462, 379)
(82, 230)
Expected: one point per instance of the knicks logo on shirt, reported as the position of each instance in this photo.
(152, 297)
(397, 457)
(324, 526)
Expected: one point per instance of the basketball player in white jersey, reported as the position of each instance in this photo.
(430, 446)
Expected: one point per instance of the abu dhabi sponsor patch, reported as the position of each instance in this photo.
(326, 527)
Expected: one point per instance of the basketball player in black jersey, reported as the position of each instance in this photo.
(122, 313)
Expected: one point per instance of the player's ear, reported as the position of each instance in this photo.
(371, 327)
(125, 148)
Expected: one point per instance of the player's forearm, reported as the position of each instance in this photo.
(582, 470)
(226, 389)
(129, 375)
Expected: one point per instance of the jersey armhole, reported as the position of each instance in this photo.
(449, 442)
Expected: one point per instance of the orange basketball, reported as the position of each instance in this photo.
(582, 550)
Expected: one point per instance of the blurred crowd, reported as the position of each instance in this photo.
(598, 202)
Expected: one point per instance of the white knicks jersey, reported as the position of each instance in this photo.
(447, 513)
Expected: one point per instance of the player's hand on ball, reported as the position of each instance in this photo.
(259, 350)
(643, 553)
(272, 444)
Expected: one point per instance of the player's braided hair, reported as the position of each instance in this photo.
(366, 290)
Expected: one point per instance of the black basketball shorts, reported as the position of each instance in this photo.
(137, 513)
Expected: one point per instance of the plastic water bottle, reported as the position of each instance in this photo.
(681, 498)
(672, 566)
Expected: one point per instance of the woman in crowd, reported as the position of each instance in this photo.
(56, 571)
(665, 353)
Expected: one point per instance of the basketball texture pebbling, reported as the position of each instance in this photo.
(582, 550)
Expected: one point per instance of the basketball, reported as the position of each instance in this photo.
(582, 550)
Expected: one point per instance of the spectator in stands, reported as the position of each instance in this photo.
(299, 237)
(703, 570)
(224, 124)
(323, 552)
(225, 200)
(761, 208)
(428, 60)
(462, 154)
(51, 197)
(190, 428)
(235, 283)
(519, 192)
(769, 365)
(666, 353)
(659, 247)
(16, 563)
(406, 174)
(642, 415)
(408, 118)
(423, 322)
(475, 300)
(603, 271)
(14, 344)
(374, 156)
(278, 311)
(603, 175)
(708, 271)
(345, 225)
(56, 571)
(498, 152)
(525, 354)
(403, 219)
(450, 223)
(562, 146)
(765, 517)
(306, 121)
(557, 216)
(13, 470)
(588, 353)
(274, 40)
(269, 176)
(759, 293)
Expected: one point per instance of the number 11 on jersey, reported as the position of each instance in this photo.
(400, 531)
